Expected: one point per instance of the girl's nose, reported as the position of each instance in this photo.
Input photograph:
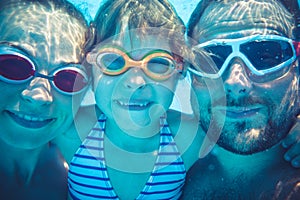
(134, 79)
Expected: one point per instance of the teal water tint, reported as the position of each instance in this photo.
(89, 7)
(184, 8)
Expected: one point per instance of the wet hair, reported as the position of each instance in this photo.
(16, 8)
(294, 7)
(149, 17)
(196, 15)
(283, 13)
(63, 5)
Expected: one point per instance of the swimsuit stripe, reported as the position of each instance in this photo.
(90, 186)
(169, 163)
(169, 153)
(94, 138)
(160, 192)
(165, 182)
(88, 177)
(87, 166)
(168, 143)
(84, 195)
(167, 173)
(88, 157)
(91, 147)
(98, 129)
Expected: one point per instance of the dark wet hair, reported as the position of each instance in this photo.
(196, 15)
(203, 4)
(294, 7)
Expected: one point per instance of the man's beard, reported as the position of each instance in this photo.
(248, 136)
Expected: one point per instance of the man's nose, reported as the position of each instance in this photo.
(236, 79)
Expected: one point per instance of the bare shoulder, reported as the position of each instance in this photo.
(51, 182)
(69, 141)
(49, 179)
(178, 120)
(85, 120)
(284, 181)
(188, 135)
(53, 157)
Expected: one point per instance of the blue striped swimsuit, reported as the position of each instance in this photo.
(88, 178)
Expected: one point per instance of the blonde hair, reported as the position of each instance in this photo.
(147, 17)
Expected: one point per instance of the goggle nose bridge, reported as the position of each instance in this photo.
(36, 74)
(130, 63)
(235, 54)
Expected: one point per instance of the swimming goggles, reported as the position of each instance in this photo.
(158, 65)
(262, 54)
(16, 68)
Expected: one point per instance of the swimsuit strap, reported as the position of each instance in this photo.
(88, 177)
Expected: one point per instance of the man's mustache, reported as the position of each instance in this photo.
(240, 102)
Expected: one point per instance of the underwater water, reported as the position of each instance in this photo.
(184, 8)
(90, 7)
(246, 123)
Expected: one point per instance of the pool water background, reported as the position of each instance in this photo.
(90, 7)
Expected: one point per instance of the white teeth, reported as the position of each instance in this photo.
(30, 118)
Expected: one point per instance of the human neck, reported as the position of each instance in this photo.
(249, 164)
(19, 163)
(144, 139)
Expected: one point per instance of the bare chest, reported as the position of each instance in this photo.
(128, 185)
(213, 182)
